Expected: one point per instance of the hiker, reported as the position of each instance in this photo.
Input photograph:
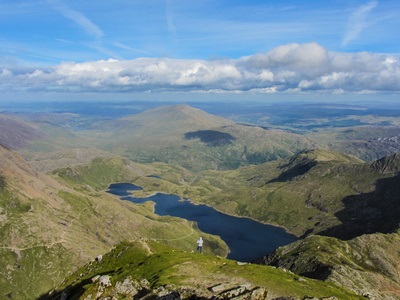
(200, 245)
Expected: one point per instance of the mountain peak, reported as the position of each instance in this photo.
(387, 164)
(175, 118)
(322, 155)
(303, 162)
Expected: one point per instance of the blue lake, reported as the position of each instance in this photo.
(247, 239)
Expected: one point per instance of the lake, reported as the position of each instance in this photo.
(247, 239)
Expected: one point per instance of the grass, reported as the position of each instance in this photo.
(28, 268)
(164, 266)
(98, 174)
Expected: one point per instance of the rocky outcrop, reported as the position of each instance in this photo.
(368, 264)
(103, 288)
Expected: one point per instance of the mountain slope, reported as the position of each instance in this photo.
(148, 270)
(47, 228)
(15, 133)
(367, 142)
(368, 264)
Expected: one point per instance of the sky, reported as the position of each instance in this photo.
(125, 49)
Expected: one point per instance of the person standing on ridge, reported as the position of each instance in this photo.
(200, 245)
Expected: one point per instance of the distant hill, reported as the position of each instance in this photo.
(196, 140)
(368, 143)
(172, 120)
(164, 134)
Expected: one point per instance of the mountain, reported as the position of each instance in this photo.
(194, 139)
(168, 120)
(49, 226)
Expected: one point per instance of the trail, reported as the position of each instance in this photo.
(31, 247)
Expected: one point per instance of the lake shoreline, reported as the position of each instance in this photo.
(199, 203)
(248, 239)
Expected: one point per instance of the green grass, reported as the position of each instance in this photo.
(27, 273)
(98, 174)
(162, 266)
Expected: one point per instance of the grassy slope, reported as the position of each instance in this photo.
(190, 273)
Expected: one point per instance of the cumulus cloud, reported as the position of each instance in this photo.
(294, 67)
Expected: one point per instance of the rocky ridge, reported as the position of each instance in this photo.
(146, 270)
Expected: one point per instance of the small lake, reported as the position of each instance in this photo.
(247, 239)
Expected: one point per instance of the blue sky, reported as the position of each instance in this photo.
(120, 47)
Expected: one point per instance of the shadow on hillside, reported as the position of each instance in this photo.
(378, 211)
(290, 173)
(211, 138)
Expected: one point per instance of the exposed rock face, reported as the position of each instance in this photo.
(368, 264)
(388, 164)
(140, 289)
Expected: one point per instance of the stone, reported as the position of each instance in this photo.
(217, 288)
(105, 281)
(127, 287)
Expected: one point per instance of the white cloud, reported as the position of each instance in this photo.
(293, 68)
(357, 22)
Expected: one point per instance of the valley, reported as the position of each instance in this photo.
(328, 175)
